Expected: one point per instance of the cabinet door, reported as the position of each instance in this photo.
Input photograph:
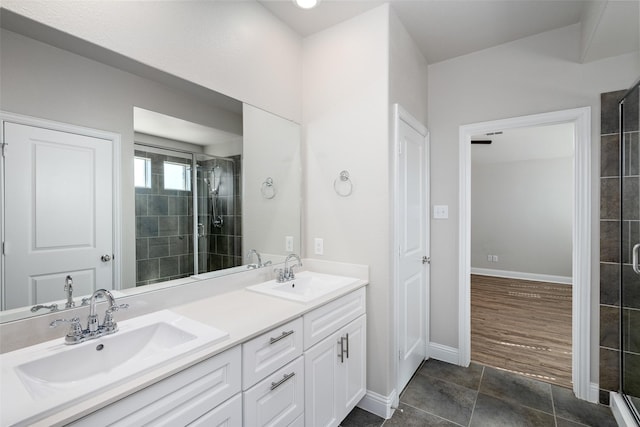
(353, 372)
(320, 374)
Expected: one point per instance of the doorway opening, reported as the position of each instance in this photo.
(521, 225)
(580, 119)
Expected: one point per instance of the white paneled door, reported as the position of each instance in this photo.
(58, 214)
(412, 232)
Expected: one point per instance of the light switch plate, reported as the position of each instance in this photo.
(440, 211)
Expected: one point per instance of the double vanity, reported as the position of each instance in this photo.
(278, 353)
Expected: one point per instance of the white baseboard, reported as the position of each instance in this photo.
(378, 404)
(444, 353)
(594, 392)
(620, 411)
(522, 276)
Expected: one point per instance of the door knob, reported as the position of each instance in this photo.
(426, 259)
(105, 258)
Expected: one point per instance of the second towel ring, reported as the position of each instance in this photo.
(267, 189)
(343, 185)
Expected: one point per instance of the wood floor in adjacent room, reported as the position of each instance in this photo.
(522, 326)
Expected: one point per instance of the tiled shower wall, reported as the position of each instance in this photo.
(221, 247)
(164, 224)
(610, 247)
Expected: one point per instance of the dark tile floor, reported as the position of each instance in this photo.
(441, 394)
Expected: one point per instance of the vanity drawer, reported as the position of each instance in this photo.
(228, 414)
(268, 352)
(177, 400)
(278, 400)
(322, 322)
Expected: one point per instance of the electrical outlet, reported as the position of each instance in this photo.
(441, 212)
(494, 258)
(288, 243)
(489, 258)
(318, 246)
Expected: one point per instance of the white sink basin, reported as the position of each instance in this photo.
(306, 287)
(52, 375)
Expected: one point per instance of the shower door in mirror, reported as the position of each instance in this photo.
(630, 281)
(58, 201)
(179, 214)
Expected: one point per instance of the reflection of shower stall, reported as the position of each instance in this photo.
(180, 214)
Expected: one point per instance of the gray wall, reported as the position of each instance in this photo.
(522, 211)
(46, 82)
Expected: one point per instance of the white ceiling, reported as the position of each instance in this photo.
(530, 143)
(444, 29)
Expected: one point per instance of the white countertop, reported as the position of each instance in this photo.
(243, 314)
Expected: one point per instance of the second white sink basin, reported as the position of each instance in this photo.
(306, 287)
(54, 375)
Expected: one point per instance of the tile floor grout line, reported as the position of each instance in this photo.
(553, 406)
(431, 413)
(475, 402)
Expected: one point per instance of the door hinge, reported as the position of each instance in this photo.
(3, 248)
(399, 354)
(4, 148)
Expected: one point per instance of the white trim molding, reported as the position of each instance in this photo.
(581, 310)
(522, 276)
(443, 353)
(382, 406)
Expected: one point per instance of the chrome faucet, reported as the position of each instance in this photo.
(257, 254)
(92, 322)
(94, 330)
(259, 264)
(68, 288)
(287, 273)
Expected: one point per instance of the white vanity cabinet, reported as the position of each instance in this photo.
(310, 371)
(198, 395)
(335, 359)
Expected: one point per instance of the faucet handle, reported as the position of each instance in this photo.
(75, 329)
(52, 307)
(117, 308)
(280, 275)
(109, 326)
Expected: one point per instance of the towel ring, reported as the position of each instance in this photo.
(267, 189)
(343, 185)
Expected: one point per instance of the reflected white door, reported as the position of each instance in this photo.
(58, 214)
(413, 237)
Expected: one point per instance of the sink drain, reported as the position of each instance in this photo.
(99, 347)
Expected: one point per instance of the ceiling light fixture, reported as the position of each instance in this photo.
(306, 4)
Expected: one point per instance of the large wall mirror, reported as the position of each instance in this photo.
(204, 183)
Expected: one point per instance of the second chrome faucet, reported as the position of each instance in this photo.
(285, 274)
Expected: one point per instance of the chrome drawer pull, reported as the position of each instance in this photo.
(284, 335)
(347, 346)
(282, 381)
(341, 352)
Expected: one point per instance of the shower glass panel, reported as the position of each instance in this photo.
(630, 279)
(168, 233)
